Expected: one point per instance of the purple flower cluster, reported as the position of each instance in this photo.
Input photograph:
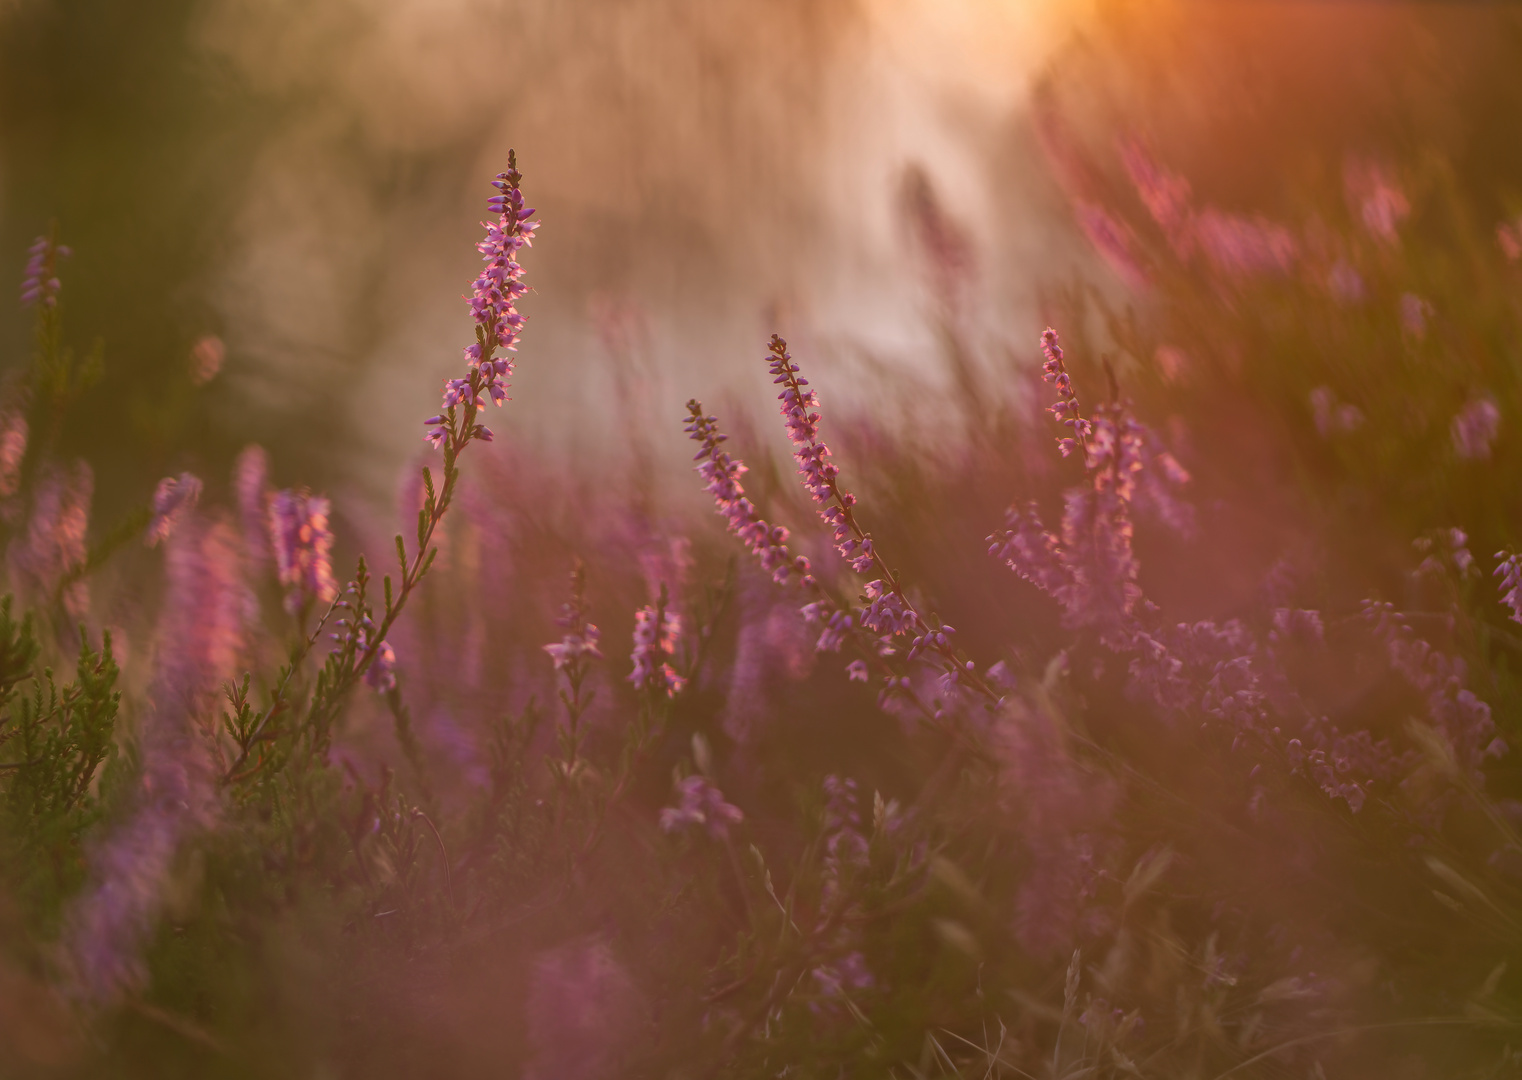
(1233, 244)
(1510, 573)
(53, 548)
(655, 632)
(380, 676)
(303, 543)
(1455, 711)
(251, 488)
(40, 284)
(721, 476)
(701, 804)
(493, 299)
(579, 641)
(1475, 428)
(173, 496)
(1066, 407)
(818, 472)
(14, 432)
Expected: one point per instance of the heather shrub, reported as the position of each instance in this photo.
(1152, 716)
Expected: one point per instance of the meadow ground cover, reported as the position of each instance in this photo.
(1145, 709)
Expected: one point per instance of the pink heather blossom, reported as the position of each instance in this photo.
(1166, 195)
(583, 1013)
(721, 475)
(1332, 418)
(172, 497)
(1460, 716)
(1475, 428)
(1066, 408)
(1376, 199)
(1090, 568)
(1414, 313)
(206, 357)
(1113, 240)
(206, 609)
(700, 804)
(1238, 246)
(493, 300)
(13, 439)
(303, 548)
(251, 489)
(655, 633)
(1346, 284)
(818, 472)
(577, 647)
(1509, 236)
(53, 546)
(40, 284)
(1510, 572)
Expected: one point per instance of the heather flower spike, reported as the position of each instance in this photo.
(173, 496)
(1510, 573)
(722, 473)
(303, 548)
(40, 285)
(572, 657)
(889, 613)
(655, 632)
(1066, 408)
(700, 804)
(493, 299)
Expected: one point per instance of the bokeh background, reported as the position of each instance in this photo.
(273, 206)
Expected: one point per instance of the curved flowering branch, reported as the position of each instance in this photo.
(1090, 569)
(889, 611)
(722, 473)
(362, 637)
(1066, 408)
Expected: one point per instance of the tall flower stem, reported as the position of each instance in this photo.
(822, 480)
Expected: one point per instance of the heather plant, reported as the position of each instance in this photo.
(1213, 777)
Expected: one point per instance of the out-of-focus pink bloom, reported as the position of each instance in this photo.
(206, 357)
(1113, 240)
(1166, 195)
(583, 1013)
(53, 545)
(1462, 718)
(700, 804)
(303, 548)
(1239, 246)
(172, 497)
(1376, 199)
(946, 246)
(1346, 284)
(1474, 429)
(1172, 362)
(206, 608)
(1510, 572)
(655, 632)
(1509, 236)
(251, 488)
(40, 283)
(1331, 417)
(13, 438)
(1414, 313)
